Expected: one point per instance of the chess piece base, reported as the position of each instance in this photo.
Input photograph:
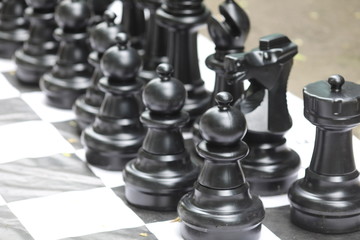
(8, 48)
(325, 224)
(159, 190)
(109, 151)
(270, 169)
(326, 204)
(208, 219)
(31, 68)
(85, 113)
(108, 160)
(190, 232)
(143, 198)
(62, 93)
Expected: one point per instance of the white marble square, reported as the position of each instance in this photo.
(74, 213)
(7, 65)
(110, 179)
(31, 139)
(6, 89)
(36, 100)
(2, 201)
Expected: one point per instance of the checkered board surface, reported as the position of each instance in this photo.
(48, 191)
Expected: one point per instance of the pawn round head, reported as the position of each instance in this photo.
(121, 62)
(165, 95)
(336, 82)
(103, 35)
(223, 124)
(72, 15)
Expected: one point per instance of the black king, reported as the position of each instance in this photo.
(271, 166)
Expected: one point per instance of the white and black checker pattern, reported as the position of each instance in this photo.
(48, 192)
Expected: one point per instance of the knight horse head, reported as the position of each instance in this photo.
(229, 35)
(267, 68)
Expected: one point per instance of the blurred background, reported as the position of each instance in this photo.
(327, 33)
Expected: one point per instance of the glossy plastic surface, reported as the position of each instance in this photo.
(271, 166)
(327, 199)
(70, 76)
(38, 53)
(163, 172)
(182, 19)
(117, 134)
(221, 205)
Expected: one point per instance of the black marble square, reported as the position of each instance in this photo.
(38, 177)
(21, 87)
(10, 226)
(147, 216)
(14, 110)
(70, 131)
(278, 221)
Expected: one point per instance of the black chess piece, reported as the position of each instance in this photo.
(156, 41)
(117, 134)
(271, 167)
(70, 76)
(133, 23)
(102, 37)
(221, 205)
(182, 19)
(229, 37)
(13, 27)
(327, 199)
(38, 53)
(162, 173)
(98, 8)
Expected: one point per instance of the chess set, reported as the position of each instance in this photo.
(109, 132)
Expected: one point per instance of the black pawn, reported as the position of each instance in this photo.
(102, 37)
(271, 166)
(229, 37)
(182, 19)
(117, 134)
(13, 27)
(70, 76)
(156, 41)
(163, 172)
(327, 199)
(221, 206)
(38, 53)
(133, 23)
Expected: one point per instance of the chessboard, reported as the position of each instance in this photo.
(48, 191)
